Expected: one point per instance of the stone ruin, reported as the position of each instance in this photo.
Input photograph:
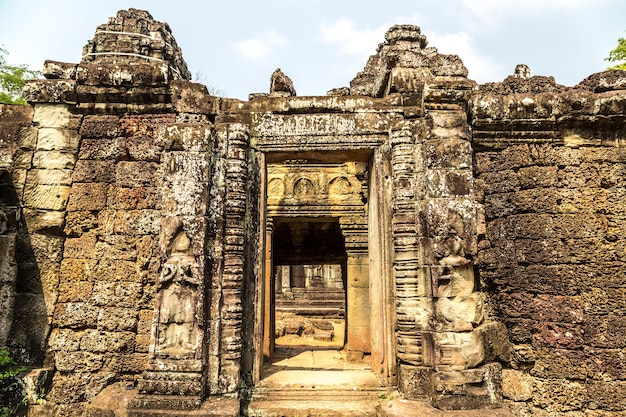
(479, 232)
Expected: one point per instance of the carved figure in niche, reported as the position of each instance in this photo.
(303, 186)
(178, 287)
(275, 187)
(458, 278)
(339, 186)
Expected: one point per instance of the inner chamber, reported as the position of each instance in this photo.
(309, 283)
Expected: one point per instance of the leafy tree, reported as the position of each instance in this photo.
(12, 80)
(618, 55)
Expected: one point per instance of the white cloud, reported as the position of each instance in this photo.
(490, 11)
(351, 40)
(481, 67)
(260, 46)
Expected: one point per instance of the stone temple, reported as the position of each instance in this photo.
(463, 244)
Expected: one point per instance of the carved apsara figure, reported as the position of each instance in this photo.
(178, 287)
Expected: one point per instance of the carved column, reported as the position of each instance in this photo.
(175, 375)
(233, 257)
(413, 293)
(358, 341)
(268, 320)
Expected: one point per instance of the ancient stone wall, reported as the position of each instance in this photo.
(550, 166)
(482, 228)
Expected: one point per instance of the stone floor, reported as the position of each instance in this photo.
(318, 382)
(315, 381)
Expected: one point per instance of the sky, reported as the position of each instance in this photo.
(233, 46)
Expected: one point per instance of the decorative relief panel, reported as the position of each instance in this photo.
(318, 188)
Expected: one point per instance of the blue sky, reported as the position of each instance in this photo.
(235, 45)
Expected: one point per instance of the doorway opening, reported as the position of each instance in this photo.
(326, 282)
(309, 283)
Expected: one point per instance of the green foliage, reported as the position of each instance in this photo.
(12, 79)
(11, 395)
(618, 55)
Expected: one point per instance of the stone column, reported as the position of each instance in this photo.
(176, 373)
(270, 292)
(413, 293)
(358, 311)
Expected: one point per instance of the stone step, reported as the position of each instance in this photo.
(318, 408)
(315, 402)
(323, 394)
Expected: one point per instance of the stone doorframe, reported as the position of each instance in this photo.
(369, 286)
(318, 192)
(360, 137)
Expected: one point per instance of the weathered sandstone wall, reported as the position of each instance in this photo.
(550, 165)
(483, 228)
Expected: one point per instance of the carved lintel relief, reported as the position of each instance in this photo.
(178, 302)
(324, 189)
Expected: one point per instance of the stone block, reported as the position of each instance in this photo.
(74, 291)
(605, 331)
(495, 341)
(66, 340)
(79, 362)
(559, 396)
(558, 335)
(139, 149)
(54, 139)
(468, 389)
(117, 319)
(87, 196)
(75, 315)
(22, 159)
(117, 247)
(135, 198)
(461, 313)
(107, 342)
(451, 153)
(538, 176)
(550, 363)
(188, 137)
(27, 138)
(517, 385)
(52, 115)
(99, 149)
(54, 159)
(445, 183)
(135, 174)
(458, 351)
(415, 382)
(116, 270)
(49, 176)
(98, 127)
(94, 171)
(120, 294)
(80, 248)
(41, 221)
(78, 223)
(50, 91)
(48, 197)
(188, 97)
(558, 308)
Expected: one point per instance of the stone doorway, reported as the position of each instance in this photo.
(318, 263)
(309, 261)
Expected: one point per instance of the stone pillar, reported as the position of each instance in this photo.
(358, 311)
(285, 279)
(414, 301)
(270, 292)
(179, 331)
(237, 135)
